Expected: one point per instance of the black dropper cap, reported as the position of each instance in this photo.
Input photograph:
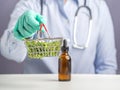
(64, 48)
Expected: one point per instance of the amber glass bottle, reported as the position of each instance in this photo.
(64, 73)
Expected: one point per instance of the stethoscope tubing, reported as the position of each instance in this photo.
(75, 44)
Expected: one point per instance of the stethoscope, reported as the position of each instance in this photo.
(75, 44)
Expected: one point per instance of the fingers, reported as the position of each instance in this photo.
(34, 20)
(17, 34)
(31, 20)
(40, 19)
(22, 29)
(28, 27)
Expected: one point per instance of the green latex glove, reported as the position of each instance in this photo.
(28, 24)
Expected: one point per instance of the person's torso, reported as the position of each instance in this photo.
(60, 22)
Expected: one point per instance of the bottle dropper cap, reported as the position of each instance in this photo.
(64, 48)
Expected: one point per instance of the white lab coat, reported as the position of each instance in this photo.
(99, 57)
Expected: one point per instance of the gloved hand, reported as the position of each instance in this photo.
(28, 24)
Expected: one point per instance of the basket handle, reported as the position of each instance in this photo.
(43, 25)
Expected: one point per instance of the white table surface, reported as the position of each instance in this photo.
(50, 82)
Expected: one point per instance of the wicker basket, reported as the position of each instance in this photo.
(46, 47)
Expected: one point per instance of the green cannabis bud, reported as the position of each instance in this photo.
(39, 49)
